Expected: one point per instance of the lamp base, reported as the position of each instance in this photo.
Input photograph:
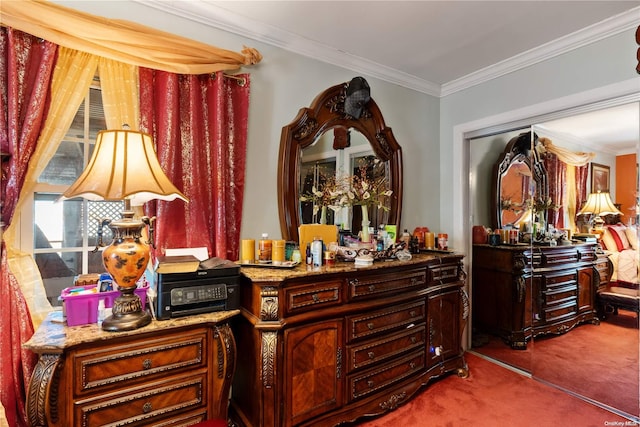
(127, 313)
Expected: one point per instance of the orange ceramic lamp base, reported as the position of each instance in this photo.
(126, 260)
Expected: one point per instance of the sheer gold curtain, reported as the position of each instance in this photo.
(120, 87)
(120, 40)
(72, 77)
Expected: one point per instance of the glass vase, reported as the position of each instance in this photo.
(365, 225)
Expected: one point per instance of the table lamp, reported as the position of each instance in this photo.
(599, 204)
(124, 166)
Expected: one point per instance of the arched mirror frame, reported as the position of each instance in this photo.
(327, 112)
(518, 149)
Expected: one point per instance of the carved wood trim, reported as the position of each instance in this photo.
(226, 351)
(269, 342)
(42, 398)
(269, 304)
(327, 112)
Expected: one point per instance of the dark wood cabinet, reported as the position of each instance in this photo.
(323, 346)
(169, 373)
(521, 291)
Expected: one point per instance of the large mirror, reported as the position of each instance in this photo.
(598, 362)
(518, 176)
(325, 139)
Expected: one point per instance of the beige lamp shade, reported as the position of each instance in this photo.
(599, 204)
(124, 165)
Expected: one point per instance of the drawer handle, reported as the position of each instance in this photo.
(146, 408)
(370, 384)
(371, 355)
(412, 313)
(413, 340)
(414, 281)
(370, 325)
(412, 365)
(372, 288)
(146, 364)
(315, 297)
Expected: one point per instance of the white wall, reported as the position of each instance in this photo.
(579, 77)
(282, 84)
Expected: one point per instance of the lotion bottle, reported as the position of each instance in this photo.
(316, 251)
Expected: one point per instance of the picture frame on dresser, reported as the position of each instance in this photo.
(600, 178)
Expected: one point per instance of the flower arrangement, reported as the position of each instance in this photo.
(367, 187)
(328, 193)
(540, 205)
(536, 205)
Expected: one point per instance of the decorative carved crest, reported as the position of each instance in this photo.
(269, 306)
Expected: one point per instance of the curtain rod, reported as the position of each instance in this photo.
(241, 80)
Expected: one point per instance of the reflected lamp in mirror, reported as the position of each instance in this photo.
(599, 204)
(124, 166)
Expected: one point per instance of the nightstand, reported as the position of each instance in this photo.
(168, 373)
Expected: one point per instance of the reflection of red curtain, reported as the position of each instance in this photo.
(556, 179)
(26, 66)
(581, 185)
(199, 124)
(556, 176)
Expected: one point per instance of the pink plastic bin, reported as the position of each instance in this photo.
(83, 309)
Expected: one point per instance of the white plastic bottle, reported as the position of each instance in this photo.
(316, 251)
(102, 312)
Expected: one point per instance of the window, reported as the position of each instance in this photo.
(62, 235)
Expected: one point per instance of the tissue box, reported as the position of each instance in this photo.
(83, 309)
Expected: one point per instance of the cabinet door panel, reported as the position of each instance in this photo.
(313, 370)
(443, 321)
(586, 292)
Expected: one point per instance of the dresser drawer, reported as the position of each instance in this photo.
(443, 274)
(144, 405)
(559, 257)
(313, 296)
(375, 379)
(390, 318)
(373, 285)
(382, 349)
(560, 294)
(558, 312)
(560, 279)
(105, 367)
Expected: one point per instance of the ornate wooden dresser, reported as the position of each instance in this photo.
(523, 291)
(325, 345)
(170, 373)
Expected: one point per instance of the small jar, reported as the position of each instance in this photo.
(329, 258)
(264, 249)
(443, 241)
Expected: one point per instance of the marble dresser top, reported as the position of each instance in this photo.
(277, 274)
(53, 335)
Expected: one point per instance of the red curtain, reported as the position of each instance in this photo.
(556, 176)
(581, 185)
(26, 67)
(199, 124)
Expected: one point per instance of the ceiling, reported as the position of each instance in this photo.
(435, 47)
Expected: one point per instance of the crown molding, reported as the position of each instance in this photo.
(217, 17)
(601, 30)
